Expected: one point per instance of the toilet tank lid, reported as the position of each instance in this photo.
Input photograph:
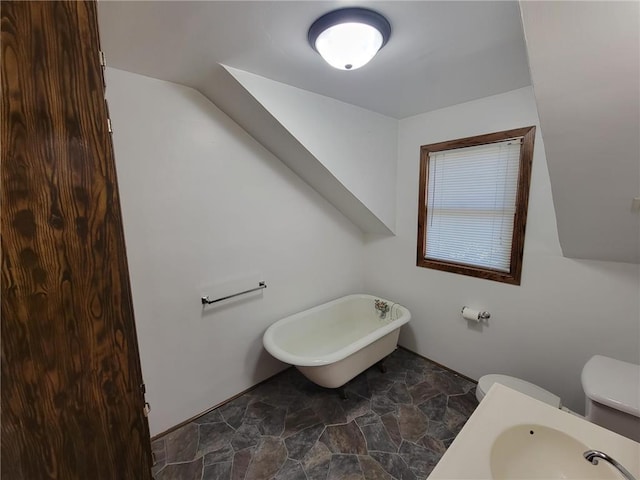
(613, 383)
(521, 386)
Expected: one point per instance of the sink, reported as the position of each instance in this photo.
(512, 435)
(540, 452)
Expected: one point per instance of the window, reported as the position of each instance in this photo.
(473, 202)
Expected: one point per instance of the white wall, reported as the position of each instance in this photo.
(543, 330)
(207, 209)
(357, 146)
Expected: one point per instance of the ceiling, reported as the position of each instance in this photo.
(439, 54)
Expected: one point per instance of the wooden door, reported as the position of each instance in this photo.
(72, 402)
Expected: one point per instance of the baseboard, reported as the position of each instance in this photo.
(218, 405)
(186, 422)
(440, 365)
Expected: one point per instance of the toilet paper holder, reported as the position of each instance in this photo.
(480, 315)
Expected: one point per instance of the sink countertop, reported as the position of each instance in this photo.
(468, 457)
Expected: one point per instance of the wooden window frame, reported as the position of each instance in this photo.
(522, 203)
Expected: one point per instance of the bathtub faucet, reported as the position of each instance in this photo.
(382, 307)
(593, 456)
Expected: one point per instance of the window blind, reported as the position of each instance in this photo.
(471, 204)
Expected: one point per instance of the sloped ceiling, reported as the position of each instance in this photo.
(242, 96)
(585, 66)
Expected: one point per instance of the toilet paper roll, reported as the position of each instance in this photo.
(470, 314)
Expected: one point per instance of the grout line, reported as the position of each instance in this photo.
(198, 447)
(182, 463)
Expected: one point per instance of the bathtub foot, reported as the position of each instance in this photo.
(343, 393)
(382, 366)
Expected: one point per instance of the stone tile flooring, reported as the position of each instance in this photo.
(394, 425)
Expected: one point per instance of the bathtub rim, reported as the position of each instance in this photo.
(298, 360)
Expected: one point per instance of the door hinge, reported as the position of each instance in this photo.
(103, 66)
(147, 409)
(143, 388)
(106, 106)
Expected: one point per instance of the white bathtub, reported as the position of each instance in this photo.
(332, 343)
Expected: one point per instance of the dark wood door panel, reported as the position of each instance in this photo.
(72, 407)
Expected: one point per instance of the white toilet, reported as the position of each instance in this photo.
(485, 383)
(611, 387)
(612, 390)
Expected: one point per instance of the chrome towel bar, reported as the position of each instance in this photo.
(207, 301)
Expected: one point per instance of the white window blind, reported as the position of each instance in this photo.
(471, 203)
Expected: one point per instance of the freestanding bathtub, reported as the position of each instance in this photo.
(333, 342)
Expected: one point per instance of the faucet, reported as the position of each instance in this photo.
(593, 456)
(382, 307)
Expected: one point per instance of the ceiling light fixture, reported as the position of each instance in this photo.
(349, 37)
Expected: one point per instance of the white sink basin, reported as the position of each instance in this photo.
(539, 452)
(497, 443)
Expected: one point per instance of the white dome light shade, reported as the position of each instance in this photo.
(348, 46)
(348, 38)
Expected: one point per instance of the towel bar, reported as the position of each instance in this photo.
(207, 301)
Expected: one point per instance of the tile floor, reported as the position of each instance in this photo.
(394, 425)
